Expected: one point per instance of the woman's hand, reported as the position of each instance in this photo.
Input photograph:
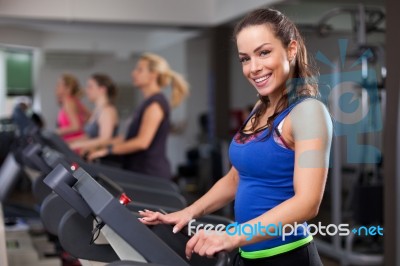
(180, 218)
(207, 243)
(202, 243)
(74, 145)
(97, 154)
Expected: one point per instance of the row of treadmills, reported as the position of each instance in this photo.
(80, 201)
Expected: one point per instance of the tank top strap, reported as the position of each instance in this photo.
(285, 112)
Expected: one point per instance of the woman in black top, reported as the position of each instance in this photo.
(144, 146)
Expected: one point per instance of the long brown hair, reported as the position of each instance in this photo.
(303, 82)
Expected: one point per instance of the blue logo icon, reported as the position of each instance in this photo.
(352, 97)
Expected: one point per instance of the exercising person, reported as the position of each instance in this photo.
(102, 126)
(72, 114)
(144, 146)
(279, 156)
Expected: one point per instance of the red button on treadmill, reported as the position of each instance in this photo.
(124, 199)
(74, 166)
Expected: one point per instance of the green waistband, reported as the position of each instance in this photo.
(276, 250)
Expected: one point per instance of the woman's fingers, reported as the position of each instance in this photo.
(207, 244)
(178, 219)
(143, 220)
(190, 246)
(178, 227)
(152, 218)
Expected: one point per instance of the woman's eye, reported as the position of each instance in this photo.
(264, 52)
(243, 59)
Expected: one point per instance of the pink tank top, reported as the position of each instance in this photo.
(64, 121)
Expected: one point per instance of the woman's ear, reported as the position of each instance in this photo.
(68, 90)
(103, 88)
(292, 50)
(154, 75)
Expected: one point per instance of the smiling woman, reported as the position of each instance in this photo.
(280, 155)
(272, 51)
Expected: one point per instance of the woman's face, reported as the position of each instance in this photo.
(61, 89)
(141, 74)
(264, 60)
(93, 90)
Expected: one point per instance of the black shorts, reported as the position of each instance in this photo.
(306, 255)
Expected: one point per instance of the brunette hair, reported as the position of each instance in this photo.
(105, 81)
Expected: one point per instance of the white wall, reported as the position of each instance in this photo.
(176, 146)
(191, 60)
(11, 35)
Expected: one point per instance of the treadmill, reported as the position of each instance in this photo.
(53, 141)
(133, 242)
(145, 191)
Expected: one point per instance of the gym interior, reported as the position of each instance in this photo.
(44, 220)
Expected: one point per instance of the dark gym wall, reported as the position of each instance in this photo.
(220, 80)
(392, 137)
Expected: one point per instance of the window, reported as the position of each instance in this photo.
(19, 73)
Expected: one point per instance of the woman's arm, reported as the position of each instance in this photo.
(218, 196)
(107, 121)
(151, 120)
(73, 117)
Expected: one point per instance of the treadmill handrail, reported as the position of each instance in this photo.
(107, 208)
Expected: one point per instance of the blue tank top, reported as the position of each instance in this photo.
(265, 179)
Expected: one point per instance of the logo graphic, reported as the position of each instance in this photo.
(351, 94)
(283, 230)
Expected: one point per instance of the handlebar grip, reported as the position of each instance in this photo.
(223, 259)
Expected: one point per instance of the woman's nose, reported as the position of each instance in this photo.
(255, 66)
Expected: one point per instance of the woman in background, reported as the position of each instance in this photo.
(73, 114)
(103, 124)
(144, 147)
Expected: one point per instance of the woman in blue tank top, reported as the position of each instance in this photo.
(279, 157)
(143, 149)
